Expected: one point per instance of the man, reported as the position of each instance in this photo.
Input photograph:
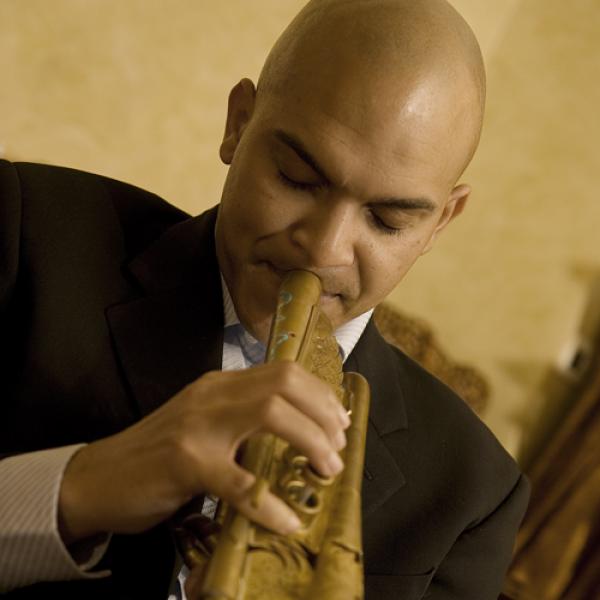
(343, 161)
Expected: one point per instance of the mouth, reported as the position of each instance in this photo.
(326, 295)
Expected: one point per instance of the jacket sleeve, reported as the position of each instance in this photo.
(476, 565)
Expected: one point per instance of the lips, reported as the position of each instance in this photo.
(280, 272)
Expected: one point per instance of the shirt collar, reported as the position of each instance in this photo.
(347, 335)
(229, 315)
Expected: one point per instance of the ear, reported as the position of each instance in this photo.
(239, 111)
(454, 206)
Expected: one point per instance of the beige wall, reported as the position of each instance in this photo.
(136, 89)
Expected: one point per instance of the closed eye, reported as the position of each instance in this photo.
(382, 226)
(299, 185)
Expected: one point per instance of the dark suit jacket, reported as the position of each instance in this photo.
(110, 302)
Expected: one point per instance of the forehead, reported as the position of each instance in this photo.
(365, 135)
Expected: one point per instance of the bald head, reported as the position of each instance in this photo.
(345, 160)
(413, 59)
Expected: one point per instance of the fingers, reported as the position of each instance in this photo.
(278, 416)
(140, 476)
(311, 395)
(236, 486)
(307, 393)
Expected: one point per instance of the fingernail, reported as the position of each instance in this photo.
(335, 463)
(340, 440)
(293, 524)
(344, 416)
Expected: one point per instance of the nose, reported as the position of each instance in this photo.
(326, 233)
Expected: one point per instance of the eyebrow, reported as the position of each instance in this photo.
(404, 204)
(298, 147)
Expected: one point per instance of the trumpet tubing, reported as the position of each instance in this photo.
(323, 559)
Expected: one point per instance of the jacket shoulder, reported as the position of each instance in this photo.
(62, 224)
(54, 190)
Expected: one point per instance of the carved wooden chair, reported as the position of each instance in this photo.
(416, 339)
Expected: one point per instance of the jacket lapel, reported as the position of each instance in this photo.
(375, 360)
(173, 333)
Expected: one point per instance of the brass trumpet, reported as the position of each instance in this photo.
(323, 559)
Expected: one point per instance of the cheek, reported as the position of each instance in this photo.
(262, 206)
(247, 209)
(383, 267)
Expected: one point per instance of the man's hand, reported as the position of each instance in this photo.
(135, 479)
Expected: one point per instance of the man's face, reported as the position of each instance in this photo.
(332, 186)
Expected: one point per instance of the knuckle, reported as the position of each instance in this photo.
(332, 429)
(289, 374)
(335, 405)
(328, 413)
(333, 397)
(236, 486)
(241, 483)
(181, 458)
(203, 386)
(179, 445)
(318, 444)
(270, 408)
(208, 378)
(324, 444)
(188, 394)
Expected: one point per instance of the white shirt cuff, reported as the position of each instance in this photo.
(31, 549)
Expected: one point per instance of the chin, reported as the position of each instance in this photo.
(334, 310)
(262, 332)
(258, 323)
